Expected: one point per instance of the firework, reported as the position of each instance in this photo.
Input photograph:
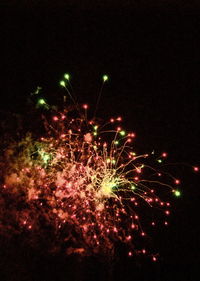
(83, 184)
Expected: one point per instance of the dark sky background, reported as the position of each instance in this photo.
(151, 52)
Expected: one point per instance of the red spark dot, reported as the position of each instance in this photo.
(153, 223)
(167, 212)
(136, 217)
(119, 118)
(142, 233)
(130, 254)
(143, 251)
(177, 181)
(119, 129)
(196, 169)
(133, 135)
(136, 178)
(154, 259)
(112, 120)
(159, 174)
(166, 223)
(164, 154)
(85, 106)
(132, 226)
(55, 118)
(115, 229)
(128, 237)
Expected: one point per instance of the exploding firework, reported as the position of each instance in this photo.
(83, 184)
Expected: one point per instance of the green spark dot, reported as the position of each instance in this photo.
(122, 133)
(113, 161)
(116, 142)
(41, 101)
(177, 193)
(133, 187)
(95, 127)
(95, 133)
(105, 78)
(62, 83)
(66, 76)
(159, 161)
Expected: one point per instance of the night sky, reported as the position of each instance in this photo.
(151, 53)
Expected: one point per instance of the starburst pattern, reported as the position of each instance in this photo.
(84, 181)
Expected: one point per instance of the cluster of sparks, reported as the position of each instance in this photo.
(85, 180)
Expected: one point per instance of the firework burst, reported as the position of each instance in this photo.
(83, 182)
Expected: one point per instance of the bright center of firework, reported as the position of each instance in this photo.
(108, 186)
